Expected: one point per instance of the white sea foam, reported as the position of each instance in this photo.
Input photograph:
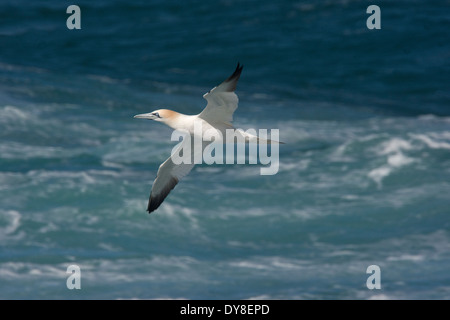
(49, 227)
(432, 117)
(227, 213)
(250, 265)
(350, 197)
(380, 296)
(11, 113)
(103, 79)
(183, 219)
(417, 248)
(398, 160)
(378, 174)
(296, 165)
(158, 269)
(26, 271)
(260, 297)
(393, 150)
(434, 140)
(401, 197)
(68, 179)
(250, 245)
(272, 263)
(8, 179)
(394, 145)
(308, 213)
(407, 257)
(293, 131)
(14, 150)
(111, 164)
(339, 154)
(9, 222)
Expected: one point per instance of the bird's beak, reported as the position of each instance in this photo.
(148, 116)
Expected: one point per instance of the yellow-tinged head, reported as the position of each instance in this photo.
(162, 115)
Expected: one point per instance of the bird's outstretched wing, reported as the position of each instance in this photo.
(169, 174)
(222, 101)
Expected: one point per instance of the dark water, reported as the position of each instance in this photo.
(364, 176)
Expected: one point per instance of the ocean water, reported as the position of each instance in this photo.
(364, 176)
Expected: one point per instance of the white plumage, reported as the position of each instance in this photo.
(217, 115)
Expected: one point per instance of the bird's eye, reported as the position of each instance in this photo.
(156, 114)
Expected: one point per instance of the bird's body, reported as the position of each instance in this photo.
(215, 118)
(188, 123)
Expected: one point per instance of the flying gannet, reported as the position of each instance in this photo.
(217, 115)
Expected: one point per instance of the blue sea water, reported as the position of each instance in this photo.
(364, 176)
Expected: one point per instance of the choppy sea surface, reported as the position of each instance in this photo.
(364, 176)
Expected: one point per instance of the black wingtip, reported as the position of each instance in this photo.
(233, 79)
(155, 200)
(154, 204)
(236, 74)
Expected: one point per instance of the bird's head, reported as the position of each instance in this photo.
(161, 115)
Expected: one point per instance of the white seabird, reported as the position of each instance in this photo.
(218, 114)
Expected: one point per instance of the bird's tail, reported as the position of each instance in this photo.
(251, 138)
